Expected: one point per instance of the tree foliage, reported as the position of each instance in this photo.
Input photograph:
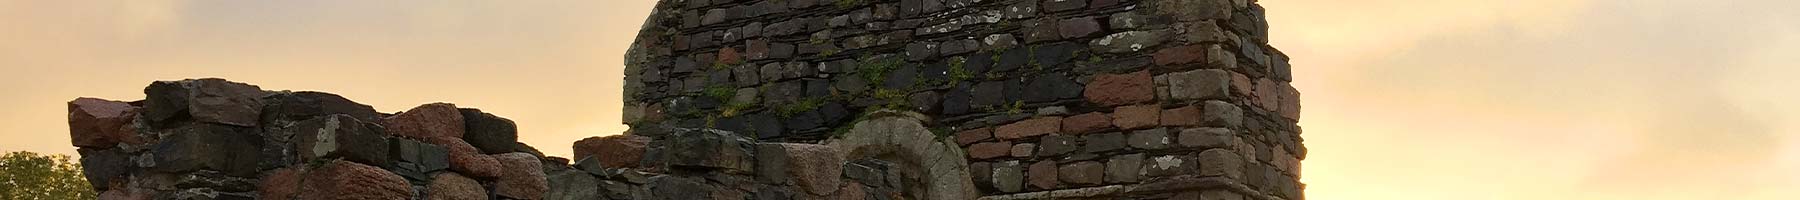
(27, 175)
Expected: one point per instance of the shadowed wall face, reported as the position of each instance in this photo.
(1066, 95)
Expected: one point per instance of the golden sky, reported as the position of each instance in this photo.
(1404, 99)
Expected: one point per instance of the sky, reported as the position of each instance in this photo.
(1403, 99)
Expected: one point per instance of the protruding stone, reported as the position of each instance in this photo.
(1029, 128)
(296, 106)
(1136, 117)
(452, 186)
(99, 123)
(1121, 89)
(426, 121)
(521, 177)
(205, 100)
(340, 136)
(492, 134)
(615, 151)
(349, 180)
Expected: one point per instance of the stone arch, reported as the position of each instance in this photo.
(888, 135)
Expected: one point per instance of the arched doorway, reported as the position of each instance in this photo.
(937, 165)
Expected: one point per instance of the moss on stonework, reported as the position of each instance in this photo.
(719, 92)
(808, 104)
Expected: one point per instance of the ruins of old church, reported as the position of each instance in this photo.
(782, 99)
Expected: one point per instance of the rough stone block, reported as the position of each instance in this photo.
(988, 150)
(340, 136)
(1207, 137)
(521, 177)
(1205, 84)
(427, 121)
(207, 147)
(1137, 116)
(1082, 173)
(1042, 175)
(99, 123)
(1221, 162)
(1104, 142)
(1124, 168)
(349, 180)
(1058, 144)
(1121, 89)
(452, 186)
(205, 100)
(1029, 128)
(1087, 123)
(1183, 116)
(1153, 139)
(1221, 113)
(614, 151)
(967, 137)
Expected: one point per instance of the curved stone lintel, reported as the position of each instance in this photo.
(907, 136)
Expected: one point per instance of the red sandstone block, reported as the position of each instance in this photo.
(426, 121)
(1183, 116)
(613, 151)
(1086, 123)
(1290, 102)
(1042, 175)
(729, 56)
(1268, 95)
(1029, 128)
(99, 123)
(1179, 55)
(1136, 117)
(967, 137)
(988, 150)
(1121, 89)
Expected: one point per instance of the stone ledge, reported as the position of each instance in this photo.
(1166, 184)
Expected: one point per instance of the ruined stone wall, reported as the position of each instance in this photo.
(782, 99)
(1105, 99)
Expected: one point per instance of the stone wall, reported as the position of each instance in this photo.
(782, 99)
(1044, 98)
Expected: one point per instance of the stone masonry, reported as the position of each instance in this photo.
(782, 99)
